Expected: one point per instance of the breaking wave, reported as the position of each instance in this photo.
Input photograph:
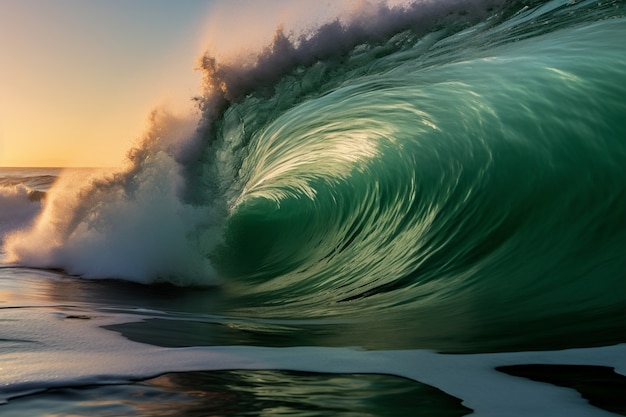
(462, 158)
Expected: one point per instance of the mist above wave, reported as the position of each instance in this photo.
(127, 224)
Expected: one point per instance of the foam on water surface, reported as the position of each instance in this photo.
(45, 347)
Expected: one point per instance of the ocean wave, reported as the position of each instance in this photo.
(463, 157)
(20, 204)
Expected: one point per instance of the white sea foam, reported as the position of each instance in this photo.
(130, 224)
(54, 348)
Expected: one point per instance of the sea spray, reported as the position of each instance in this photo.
(129, 224)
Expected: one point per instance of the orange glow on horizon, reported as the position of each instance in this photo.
(78, 80)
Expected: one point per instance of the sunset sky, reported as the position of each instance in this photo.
(78, 77)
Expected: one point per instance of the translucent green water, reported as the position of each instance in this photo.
(474, 178)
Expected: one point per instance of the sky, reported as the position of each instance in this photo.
(78, 78)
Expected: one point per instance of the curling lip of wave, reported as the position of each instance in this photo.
(227, 82)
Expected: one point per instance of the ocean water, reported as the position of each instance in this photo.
(412, 210)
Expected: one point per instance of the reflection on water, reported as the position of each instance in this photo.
(206, 316)
(246, 393)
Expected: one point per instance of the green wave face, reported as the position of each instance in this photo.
(475, 176)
